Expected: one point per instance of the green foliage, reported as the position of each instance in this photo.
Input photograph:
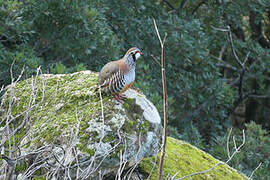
(64, 36)
(23, 59)
(59, 68)
(189, 134)
(256, 150)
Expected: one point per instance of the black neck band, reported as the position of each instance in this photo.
(134, 57)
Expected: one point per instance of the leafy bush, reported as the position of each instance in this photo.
(256, 150)
(23, 59)
(74, 34)
(71, 32)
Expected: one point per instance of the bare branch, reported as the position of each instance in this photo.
(220, 29)
(230, 157)
(102, 112)
(237, 149)
(163, 77)
(201, 172)
(11, 71)
(159, 38)
(246, 58)
(259, 96)
(155, 59)
(222, 51)
(170, 5)
(233, 49)
(255, 170)
(228, 140)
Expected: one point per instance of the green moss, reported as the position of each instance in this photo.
(128, 103)
(135, 113)
(55, 115)
(136, 125)
(115, 153)
(184, 159)
(21, 167)
(129, 126)
(38, 173)
(144, 127)
(38, 178)
(108, 138)
(131, 106)
(84, 149)
(84, 140)
(18, 136)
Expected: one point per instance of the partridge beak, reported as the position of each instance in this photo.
(140, 52)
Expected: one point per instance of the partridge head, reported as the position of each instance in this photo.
(117, 76)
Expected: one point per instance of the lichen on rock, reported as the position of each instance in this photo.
(64, 113)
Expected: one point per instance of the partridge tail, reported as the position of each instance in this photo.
(96, 88)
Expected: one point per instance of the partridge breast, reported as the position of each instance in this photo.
(114, 77)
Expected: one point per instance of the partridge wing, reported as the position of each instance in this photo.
(107, 72)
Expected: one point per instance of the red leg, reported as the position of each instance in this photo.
(122, 96)
(117, 97)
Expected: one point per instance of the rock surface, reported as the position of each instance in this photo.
(73, 132)
(183, 159)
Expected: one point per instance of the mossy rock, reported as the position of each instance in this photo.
(183, 159)
(64, 113)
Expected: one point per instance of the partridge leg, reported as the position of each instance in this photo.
(117, 98)
(122, 96)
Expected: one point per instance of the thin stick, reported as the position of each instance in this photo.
(255, 170)
(163, 76)
(102, 112)
(237, 150)
(233, 49)
(158, 33)
(155, 59)
(228, 141)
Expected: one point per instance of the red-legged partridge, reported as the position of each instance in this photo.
(117, 76)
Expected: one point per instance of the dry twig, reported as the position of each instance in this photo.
(163, 76)
(230, 156)
(255, 170)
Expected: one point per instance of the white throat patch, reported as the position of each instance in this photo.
(137, 55)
